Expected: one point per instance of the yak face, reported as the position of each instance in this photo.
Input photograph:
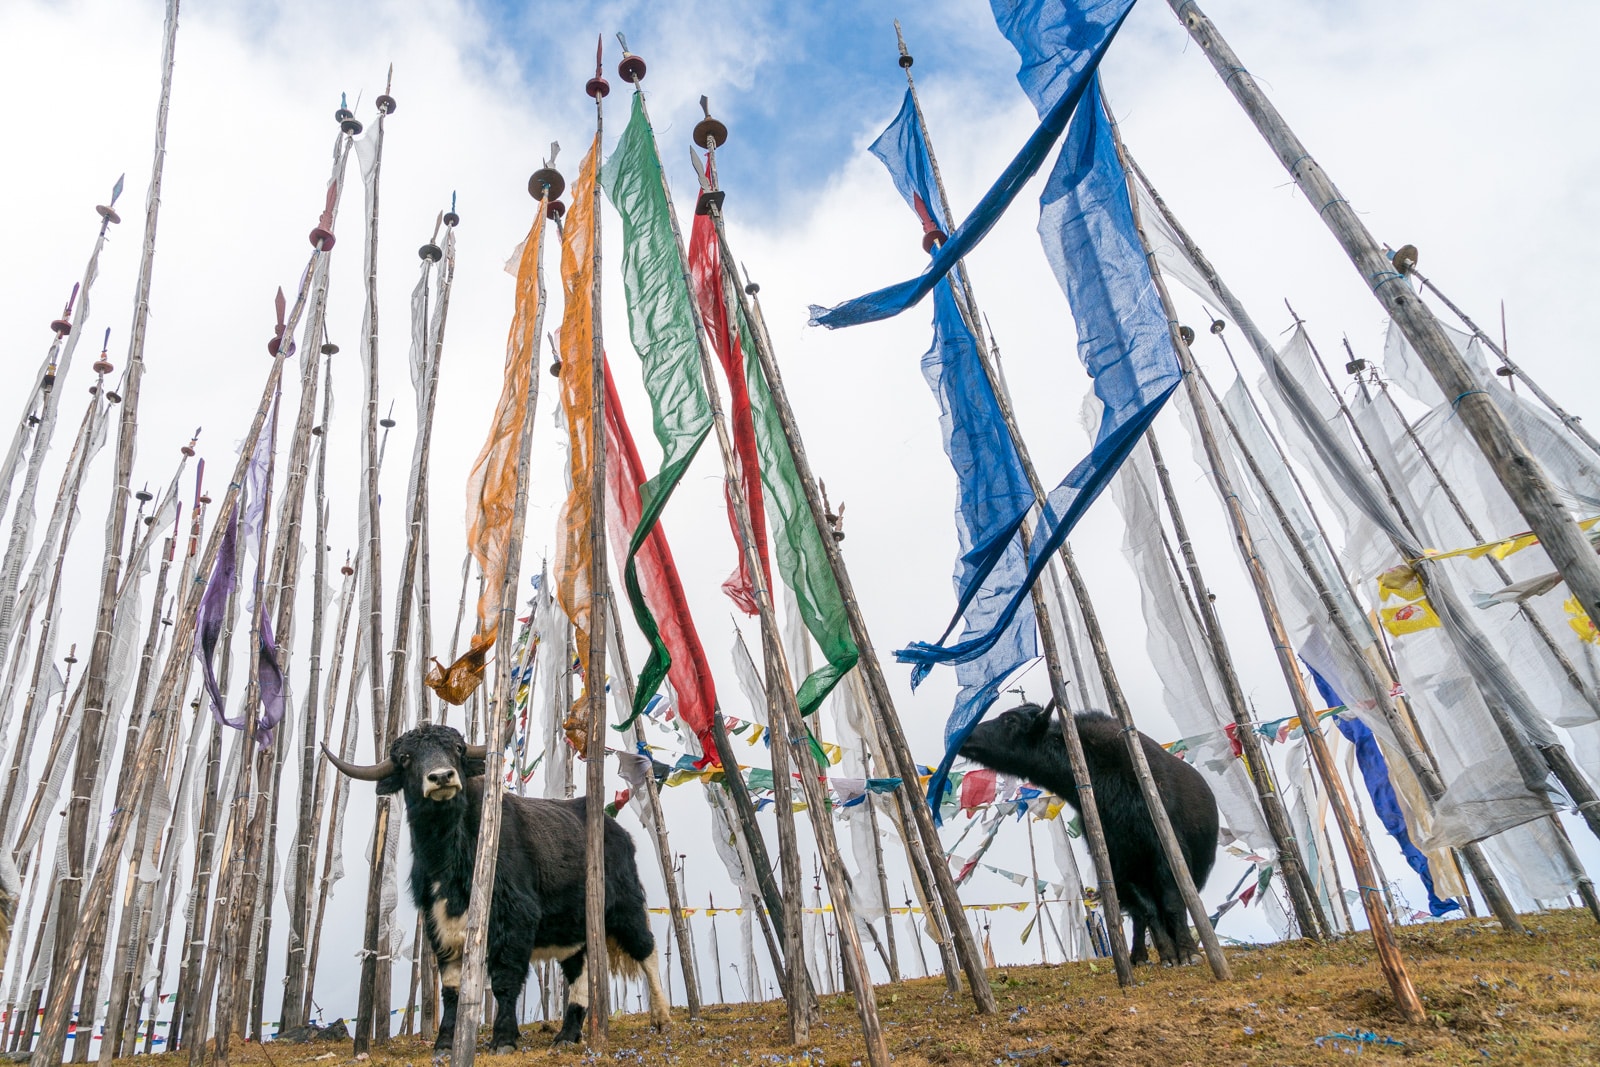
(1007, 740)
(430, 763)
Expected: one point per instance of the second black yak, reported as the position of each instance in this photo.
(1026, 741)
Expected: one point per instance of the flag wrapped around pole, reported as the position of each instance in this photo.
(574, 552)
(705, 267)
(492, 484)
(1086, 224)
(1061, 42)
(802, 556)
(658, 576)
(661, 326)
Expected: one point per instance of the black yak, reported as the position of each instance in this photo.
(1026, 741)
(537, 911)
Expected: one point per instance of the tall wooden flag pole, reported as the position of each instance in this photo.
(1389, 957)
(1509, 368)
(926, 852)
(1418, 756)
(64, 977)
(1074, 746)
(788, 723)
(370, 1020)
(596, 958)
(1517, 469)
(521, 358)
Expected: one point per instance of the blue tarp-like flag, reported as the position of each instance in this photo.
(1086, 224)
(1375, 774)
(1061, 42)
(993, 494)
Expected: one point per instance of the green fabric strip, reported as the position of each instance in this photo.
(661, 326)
(802, 558)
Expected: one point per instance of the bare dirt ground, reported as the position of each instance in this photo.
(1490, 998)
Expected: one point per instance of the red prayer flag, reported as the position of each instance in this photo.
(705, 266)
(658, 576)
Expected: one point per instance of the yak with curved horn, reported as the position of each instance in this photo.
(537, 911)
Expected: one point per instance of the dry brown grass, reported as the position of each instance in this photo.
(1490, 997)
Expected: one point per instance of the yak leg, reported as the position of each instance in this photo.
(630, 931)
(443, 1041)
(576, 971)
(508, 973)
(1174, 916)
(1143, 911)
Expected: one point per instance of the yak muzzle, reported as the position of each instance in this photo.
(441, 784)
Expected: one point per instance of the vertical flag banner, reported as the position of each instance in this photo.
(492, 484)
(1062, 42)
(658, 577)
(573, 554)
(1086, 224)
(661, 326)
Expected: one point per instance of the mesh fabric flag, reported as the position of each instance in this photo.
(492, 484)
(705, 267)
(993, 494)
(1061, 42)
(1086, 223)
(661, 325)
(574, 555)
(1375, 774)
(658, 576)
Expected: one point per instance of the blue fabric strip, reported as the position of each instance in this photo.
(993, 493)
(1086, 224)
(1061, 42)
(1375, 773)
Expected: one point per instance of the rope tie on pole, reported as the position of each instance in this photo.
(1384, 277)
(1233, 71)
(1330, 203)
(1303, 157)
(1456, 403)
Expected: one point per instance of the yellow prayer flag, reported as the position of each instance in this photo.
(1409, 618)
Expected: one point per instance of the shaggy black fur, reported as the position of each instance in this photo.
(538, 898)
(1026, 741)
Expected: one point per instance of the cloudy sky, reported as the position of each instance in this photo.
(1459, 127)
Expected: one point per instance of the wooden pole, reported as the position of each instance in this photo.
(1517, 470)
(925, 852)
(596, 959)
(1405, 993)
(1570, 421)
(1413, 746)
(1307, 908)
(788, 728)
(470, 1002)
(372, 1018)
(658, 836)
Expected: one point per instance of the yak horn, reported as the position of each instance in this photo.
(477, 751)
(375, 773)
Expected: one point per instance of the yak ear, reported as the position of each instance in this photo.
(392, 784)
(476, 767)
(1042, 718)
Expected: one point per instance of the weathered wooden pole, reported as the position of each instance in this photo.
(596, 959)
(372, 1017)
(658, 827)
(1307, 909)
(1405, 993)
(470, 999)
(1570, 421)
(70, 933)
(1413, 746)
(788, 728)
(1518, 471)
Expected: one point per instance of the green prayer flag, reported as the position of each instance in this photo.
(802, 557)
(661, 326)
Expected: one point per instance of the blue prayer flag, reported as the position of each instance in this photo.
(1124, 341)
(1375, 774)
(1061, 42)
(993, 493)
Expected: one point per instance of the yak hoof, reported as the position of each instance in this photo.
(504, 1050)
(564, 1038)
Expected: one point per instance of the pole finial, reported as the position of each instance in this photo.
(102, 366)
(108, 211)
(450, 217)
(709, 133)
(597, 86)
(385, 102)
(632, 68)
(905, 55)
